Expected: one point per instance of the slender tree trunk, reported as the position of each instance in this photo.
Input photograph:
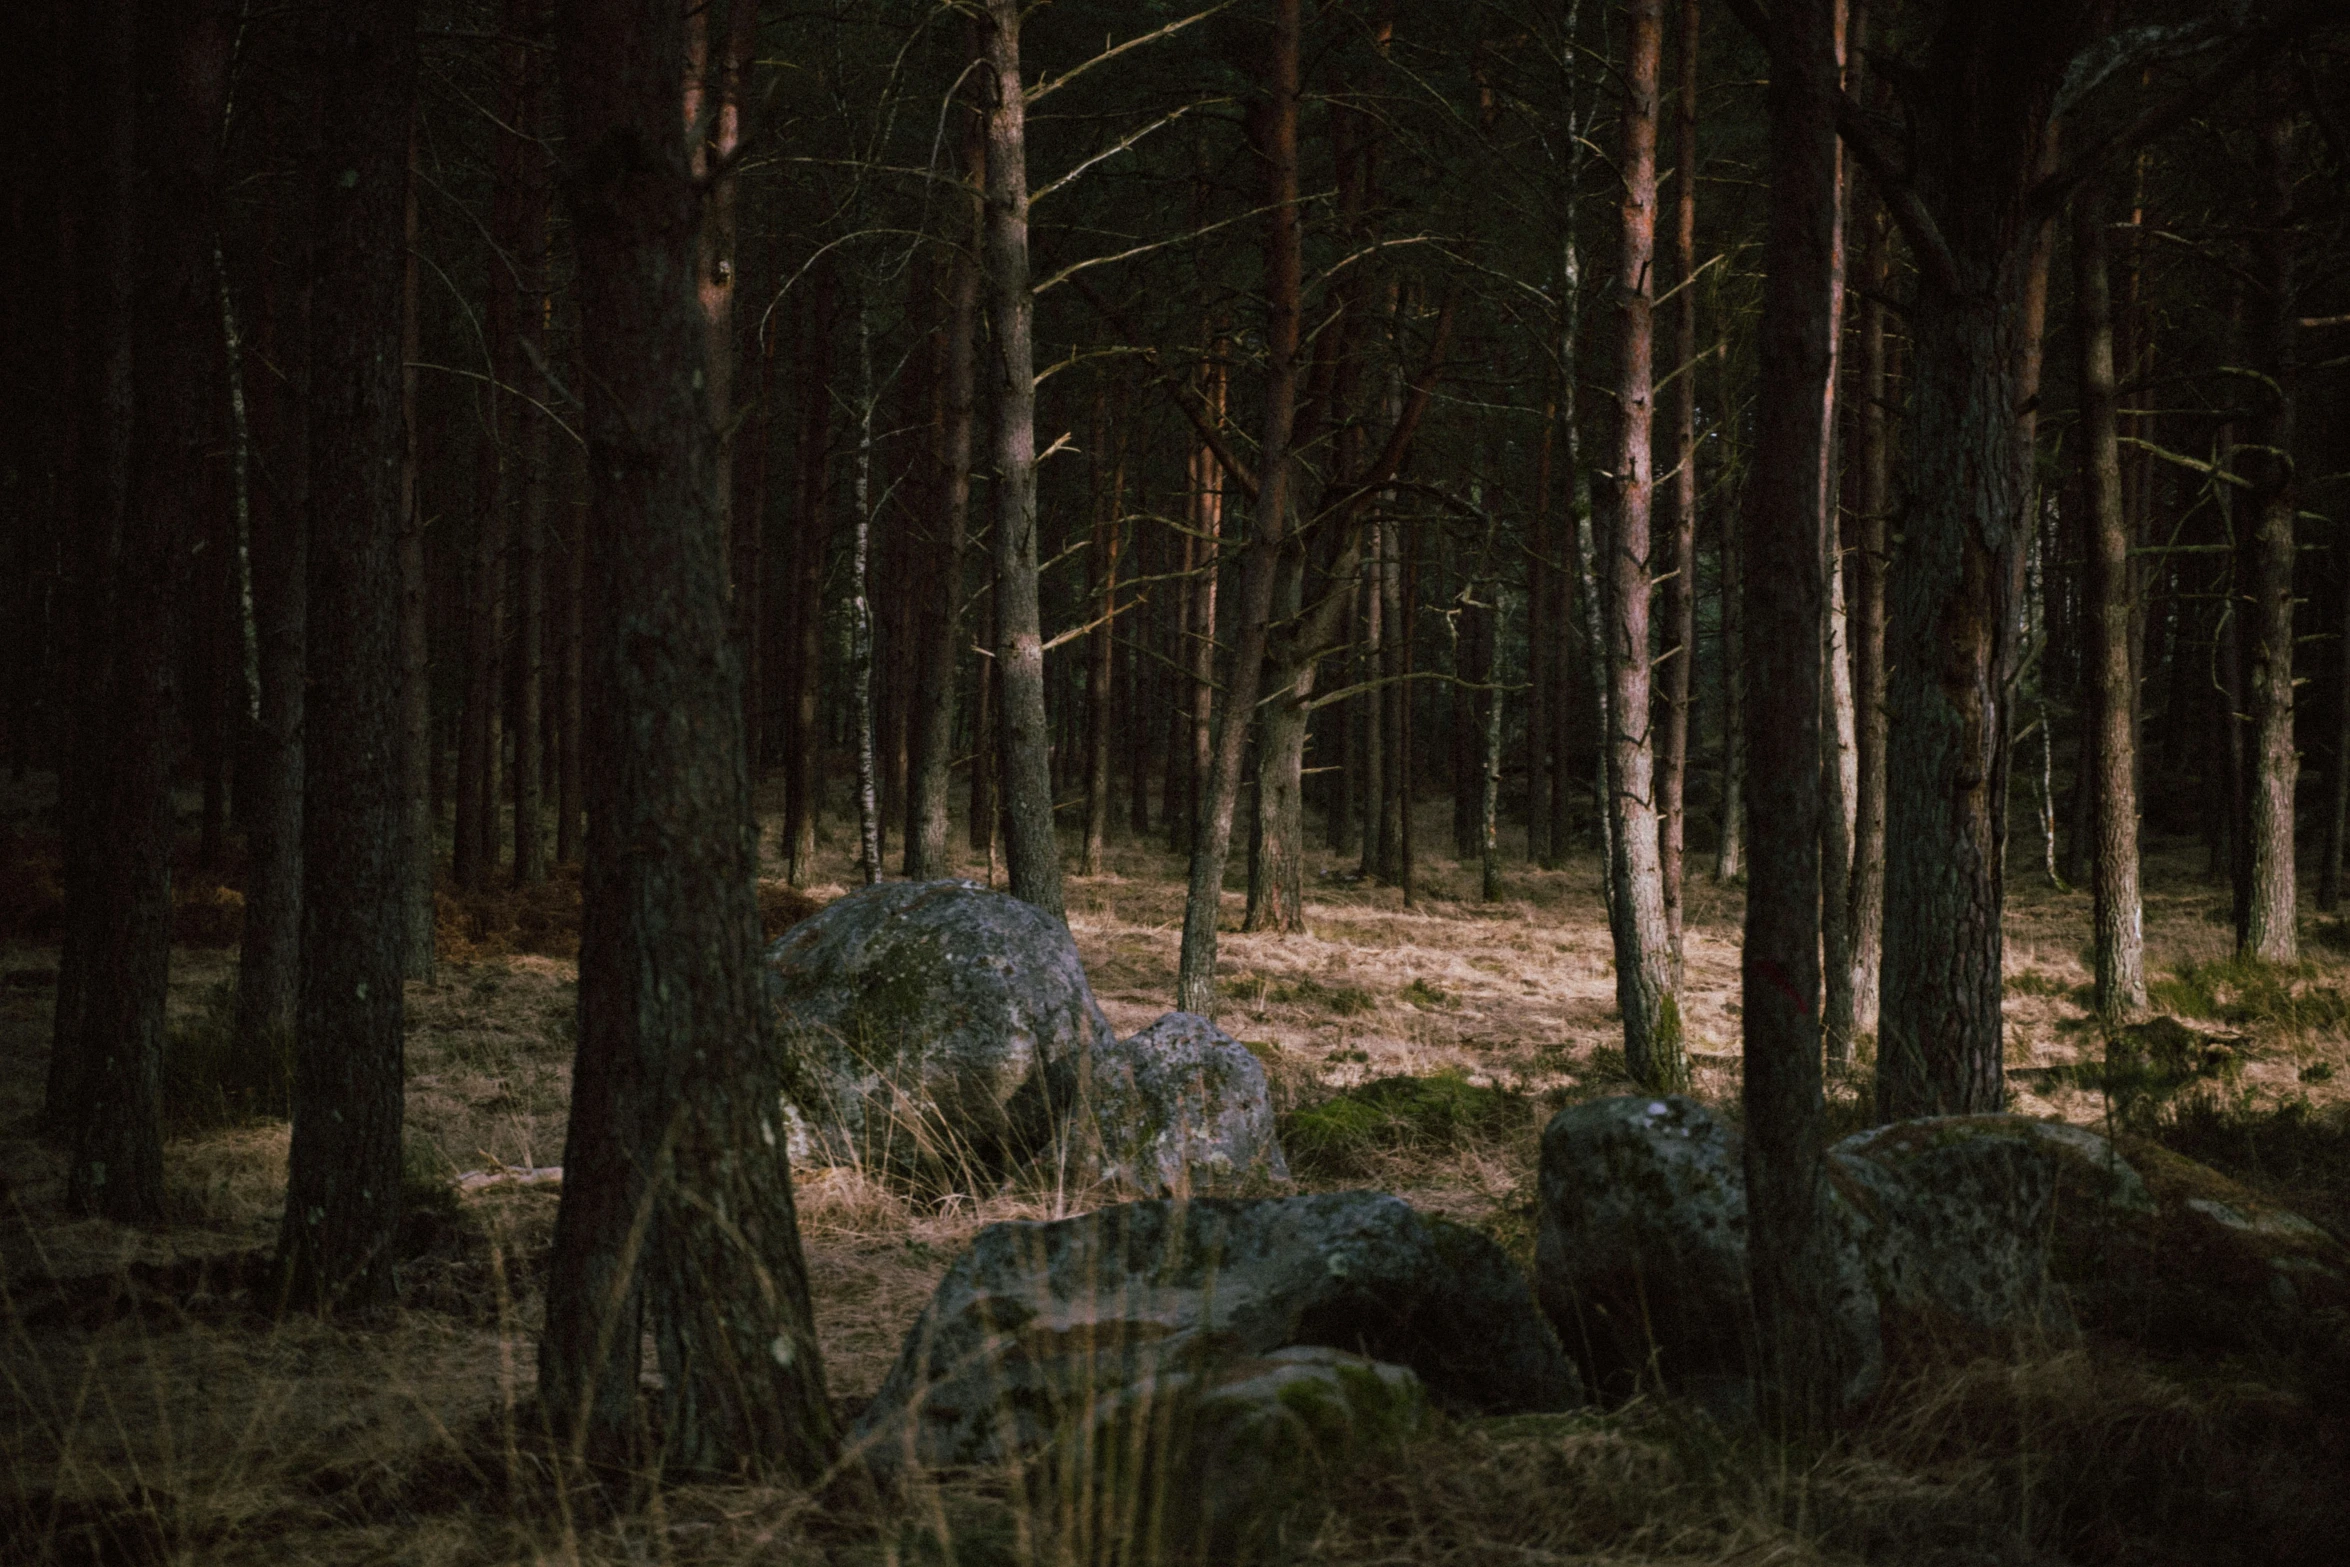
(1101, 668)
(1730, 855)
(105, 41)
(1866, 612)
(1273, 130)
(985, 815)
(571, 785)
(1680, 628)
(1839, 775)
(803, 741)
(344, 1173)
(1204, 554)
(1542, 569)
(2329, 871)
(269, 963)
(1786, 507)
(1032, 848)
(2120, 957)
(1489, 803)
(2269, 931)
(1644, 970)
(673, 1166)
(926, 837)
(1371, 587)
(861, 610)
(181, 79)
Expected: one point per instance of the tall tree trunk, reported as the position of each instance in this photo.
(335, 1247)
(415, 611)
(861, 609)
(673, 1162)
(1372, 588)
(1644, 970)
(183, 53)
(1786, 506)
(2120, 956)
(1839, 775)
(1032, 848)
(1680, 628)
(571, 784)
(926, 836)
(269, 962)
(803, 740)
(1542, 570)
(1273, 130)
(1101, 668)
(105, 40)
(528, 477)
(1865, 614)
(1202, 556)
(2269, 930)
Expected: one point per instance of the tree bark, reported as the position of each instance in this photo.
(2119, 942)
(2269, 931)
(1644, 971)
(926, 837)
(803, 742)
(335, 1247)
(1101, 650)
(1786, 505)
(1680, 628)
(1865, 614)
(1032, 848)
(1273, 128)
(861, 609)
(105, 45)
(673, 1164)
(415, 612)
(181, 77)
(269, 962)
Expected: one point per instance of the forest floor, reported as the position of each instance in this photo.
(149, 1413)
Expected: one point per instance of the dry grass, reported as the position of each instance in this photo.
(148, 1413)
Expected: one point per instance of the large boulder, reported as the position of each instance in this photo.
(1178, 1109)
(1952, 1230)
(920, 1019)
(1640, 1250)
(1038, 1326)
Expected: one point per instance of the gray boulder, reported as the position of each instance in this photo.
(919, 1021)
(1037, 1329)
(1181, 1107)
(1640, 1249)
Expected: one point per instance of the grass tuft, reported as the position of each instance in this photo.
(1345, 1135)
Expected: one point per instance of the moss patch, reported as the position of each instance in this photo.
(1341, 1135)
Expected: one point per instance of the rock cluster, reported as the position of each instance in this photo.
(944, 1032)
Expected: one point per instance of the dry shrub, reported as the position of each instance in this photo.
(504, 920)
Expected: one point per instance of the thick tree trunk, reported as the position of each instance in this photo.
(2120, 956)
(415, 614)
(1786, 507)
(1032, 848)
(1644, 970)
(926, 835)
(673, 1160)
(105, 48)
(2269, 930)
(1274, 132)
(335, 1247)
(181, 76)
(269, 962)
(1680, 628)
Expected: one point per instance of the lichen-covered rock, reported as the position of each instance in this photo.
(1181, 1107)
(1037, 1325)
(919, 1019)
(1218, 1464)
(1950, 1219)
(1950, 1228)
(1640, 1254)
(2202, 1262)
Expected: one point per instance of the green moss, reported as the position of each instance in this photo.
(1341, 1134)
(1422, 994)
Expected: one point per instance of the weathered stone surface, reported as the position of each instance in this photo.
(1181, 1107)
(1219, 1464)
(1945, 1229)
(920, 1019)
(1037, 1325)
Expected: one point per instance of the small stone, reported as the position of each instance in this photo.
(1180, 1108)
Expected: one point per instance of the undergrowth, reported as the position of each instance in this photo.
(2247, 993)
(1343, 1136)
